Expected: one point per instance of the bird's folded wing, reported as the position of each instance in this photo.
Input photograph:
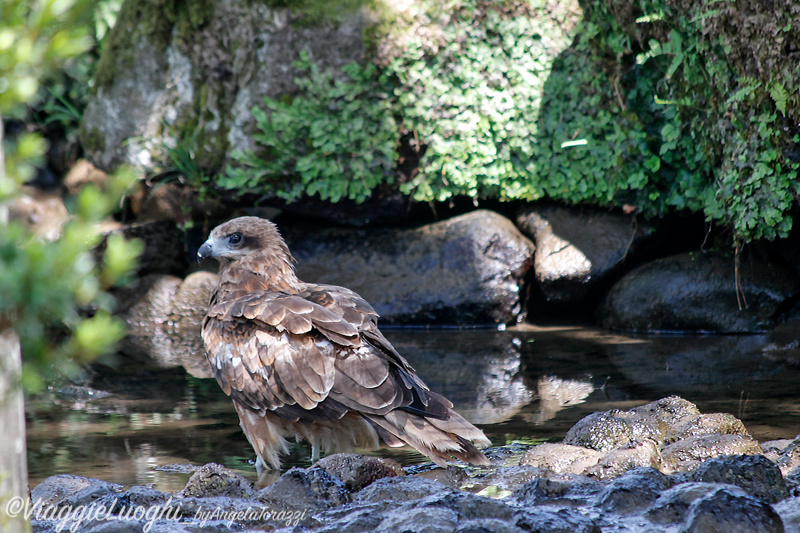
(311, 355)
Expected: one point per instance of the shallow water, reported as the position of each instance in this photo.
(525, 384)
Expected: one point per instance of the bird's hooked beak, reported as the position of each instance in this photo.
(205, 251)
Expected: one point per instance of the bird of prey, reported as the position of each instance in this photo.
(306, 360)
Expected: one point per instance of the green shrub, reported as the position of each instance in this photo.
(337, 138)
(651, 106)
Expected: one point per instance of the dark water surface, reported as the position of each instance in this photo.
(525, 384)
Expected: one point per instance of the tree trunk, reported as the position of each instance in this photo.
(13, 463)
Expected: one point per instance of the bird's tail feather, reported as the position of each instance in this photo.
(440, 440)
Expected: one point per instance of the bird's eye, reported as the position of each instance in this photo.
(235, 238)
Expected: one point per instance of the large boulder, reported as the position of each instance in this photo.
(577, 250)
(699, 292)
(465, 270)
(174, 73)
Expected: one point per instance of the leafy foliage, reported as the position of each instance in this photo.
(52, 293)
(652, 106)
(336, 139)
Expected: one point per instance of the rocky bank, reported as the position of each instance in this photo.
(660, 467)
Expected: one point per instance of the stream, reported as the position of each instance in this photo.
(525, 384)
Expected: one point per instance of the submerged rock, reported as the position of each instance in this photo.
(699, 292)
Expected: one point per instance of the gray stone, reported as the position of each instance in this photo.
(706, 424)
(644, 453)
(668, 411)
(673, 504)
(687, 454)
(609, 430)
(358, 471)
(399, 489)
(789, 511)
(634, 491)
(305, 489)
(216, 480)
(561, 491)
(730, 510)
(755, 474)
(560, 521)
(465, 270)
(561, 458)
(697, 292)
(577, 249)
(55, 489)
(208, 66)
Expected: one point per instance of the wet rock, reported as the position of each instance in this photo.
(209, 513)
(560, 521)
(694, 292)
(644, 453)
(577, 249)
(634, 491)
(358, 471)
(504, 481)
(755, 474)
(672, 505)
(668, 411)
(731, 510)
(428, 520)
(216, 480)
(561, 491)
(399, 489)
(305, 489)
(164, 316)
(465, 270)
(561, 458)
(70, 489)
(455, 478)
(140, 496)
(687, 454)
(784, 453)
(706, 424)
(467, 506)
(487, 525)
(789, 511)
(609, 430)
(352, 519)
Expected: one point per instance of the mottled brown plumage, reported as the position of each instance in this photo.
(308, 360)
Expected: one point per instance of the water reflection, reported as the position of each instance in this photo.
(521, 384)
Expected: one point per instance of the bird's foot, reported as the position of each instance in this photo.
(259, 465)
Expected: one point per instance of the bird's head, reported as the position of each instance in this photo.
(243, 237)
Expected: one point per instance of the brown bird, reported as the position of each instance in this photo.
(309, 360)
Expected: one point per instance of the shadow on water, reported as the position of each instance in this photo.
(525, 384)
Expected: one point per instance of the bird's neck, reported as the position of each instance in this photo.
(258, 273)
